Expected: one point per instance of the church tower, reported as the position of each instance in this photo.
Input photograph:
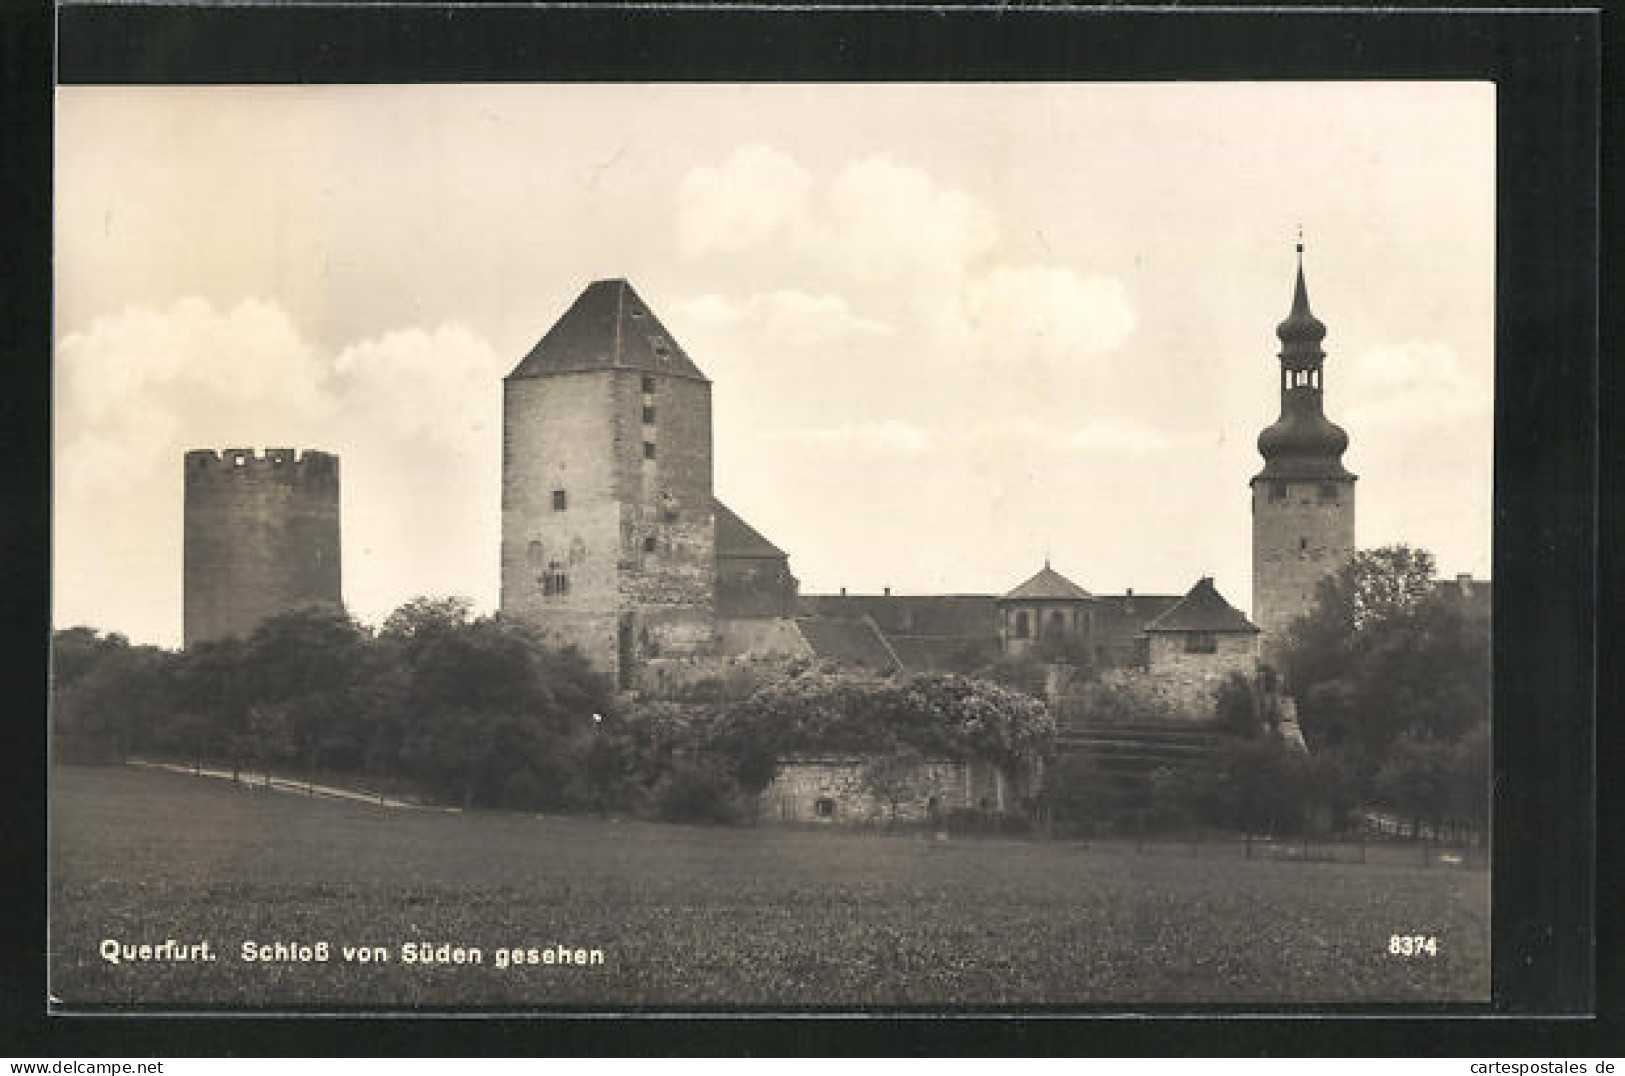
(1303, 499)
(608, 526)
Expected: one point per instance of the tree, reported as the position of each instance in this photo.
(1384, 653)
(304, 665)
(1236, 711)
(108, 692)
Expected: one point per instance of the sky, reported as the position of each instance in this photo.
(951, 329)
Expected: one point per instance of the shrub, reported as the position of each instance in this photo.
(697, 792)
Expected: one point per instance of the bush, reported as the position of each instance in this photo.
(697, 792)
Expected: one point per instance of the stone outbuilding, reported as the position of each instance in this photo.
(857, 789)
(1194, 646)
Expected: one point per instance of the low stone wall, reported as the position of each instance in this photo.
(836, 790)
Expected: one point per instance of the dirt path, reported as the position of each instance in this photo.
(283, 784)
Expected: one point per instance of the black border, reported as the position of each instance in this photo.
(1545, 64)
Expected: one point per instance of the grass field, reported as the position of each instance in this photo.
(694, 917)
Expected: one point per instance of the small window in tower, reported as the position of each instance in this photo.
(648, 413)
(648, 450)
(637, 311)
(662, 350)
(1328, 493)
(561, 500)
(649, 543)
(1021, 625)
(648, 384)
(555, 582)
(1303, 545)
(824, 807)
(1201, 642)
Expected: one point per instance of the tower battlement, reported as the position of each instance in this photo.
(242, 462)
(261, 537)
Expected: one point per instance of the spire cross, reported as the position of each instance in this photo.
(1300, 245)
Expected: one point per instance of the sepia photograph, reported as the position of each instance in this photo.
(772, 547)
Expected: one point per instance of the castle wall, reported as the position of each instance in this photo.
(624, 566)
(1046, 619)
(261, 536)
(1300, 536)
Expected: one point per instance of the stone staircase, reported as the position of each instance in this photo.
(1138, 746)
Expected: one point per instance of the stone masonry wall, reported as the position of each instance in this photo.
(625, 568)
(1298, 540)
(666, 504)
(261, 536)
(558, 435)
(795, 790)
(1193, 679)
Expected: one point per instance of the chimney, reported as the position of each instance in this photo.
(843, 592)
(1464, 581)
(887, 591)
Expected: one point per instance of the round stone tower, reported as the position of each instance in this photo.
(1303, 499)
(261, 537)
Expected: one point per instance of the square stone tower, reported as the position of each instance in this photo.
(1303, 499)
(608, 530)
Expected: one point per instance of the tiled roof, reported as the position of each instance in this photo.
(921, 652)
(853, 643)
(955, 615)
(608, 327)
(1203, 609)
(1050, 585)
(736, 538)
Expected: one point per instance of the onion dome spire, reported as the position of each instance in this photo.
(1302, 443)
(1301, 332)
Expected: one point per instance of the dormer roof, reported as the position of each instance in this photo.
(608, 327)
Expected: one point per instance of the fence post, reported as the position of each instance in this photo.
(1247, 843)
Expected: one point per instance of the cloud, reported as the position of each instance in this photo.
(885, 436)
(134, 384)
(416, 383)
(414, 414)
(887, 219)
(1115, 435)
(752, 197)
(785, 314)
(1414, 381)
(1047, 312)
(922, 251)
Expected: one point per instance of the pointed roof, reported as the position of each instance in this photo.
(1203, 609)
(1301, 332)
(736, 538)
(608, 327)
(1048, 585)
